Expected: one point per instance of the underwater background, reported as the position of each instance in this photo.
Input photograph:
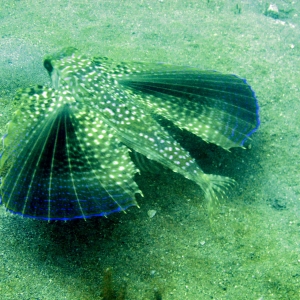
(249, 247)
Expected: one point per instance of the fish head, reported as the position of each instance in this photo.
(65, 68)
(78, 76)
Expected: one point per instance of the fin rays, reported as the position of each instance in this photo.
(54, 181)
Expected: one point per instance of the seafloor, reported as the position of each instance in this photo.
(248, 249)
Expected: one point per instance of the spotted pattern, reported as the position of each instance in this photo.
(67, 151)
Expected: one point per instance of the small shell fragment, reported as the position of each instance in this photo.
(151, 213)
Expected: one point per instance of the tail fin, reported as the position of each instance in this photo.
(215, 189)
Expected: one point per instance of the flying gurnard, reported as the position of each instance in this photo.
(66, 154)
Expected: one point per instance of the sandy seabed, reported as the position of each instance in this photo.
(249, 249)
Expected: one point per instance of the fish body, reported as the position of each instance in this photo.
(67, 150)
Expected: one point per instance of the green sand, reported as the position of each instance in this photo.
(249, 249)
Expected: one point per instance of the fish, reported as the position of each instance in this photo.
(69, 147)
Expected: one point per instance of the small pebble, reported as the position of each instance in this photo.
(272, 11)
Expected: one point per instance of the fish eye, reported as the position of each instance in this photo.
(48, 65)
